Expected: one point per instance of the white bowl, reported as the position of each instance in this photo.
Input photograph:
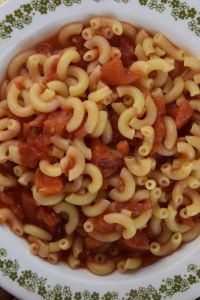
(28, 277)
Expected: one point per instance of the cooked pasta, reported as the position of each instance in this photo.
(100, 146)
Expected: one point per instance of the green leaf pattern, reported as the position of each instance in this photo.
(32, 282)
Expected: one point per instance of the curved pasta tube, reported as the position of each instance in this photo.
(170, 132)
(49, 65)
(46, 200)
(177, 174)
(40, 104)
(167, 248)
(69, 56)
(163, 151)
(60, 143)
(17, 63)
(154, 64)
(82, 81)
(9, 128)
(138, 168)
(149, 119)
(91, 55)
(192, 209)
(139, 53)
(79, 163)
(118, 218)
(135, 94)
(62, 244)
(148, 46)
(6, 216)
(77, 246)
(116, 25)
(37, 232)
(192, 88)
(72, 213)
(73, 262)
(38, 247)
(101, 269)
(142, 220)
(100, 94)
(194, 141)
(171, 222)
(124, 123)
(7, 181)
(118, 107)
(160, 40)
(96, 209)
(14, 154)
(97, 178)
(192, 62)
(105, 237)
(191, 234)
(160, 212)
(67, 31)
(161, 179)
(179, 188)
(80, 144)
(128, 189)
(148, 134)
(4, 150)
(13, 96)
(102, 45)
(155, 225)
(176, 91)
(58, 87)
(53, 170)
(81, 199)
(101, 124)
(92, 115)
(160, 79)
(76, 105)
(187, 151)
(33, 65)
(27, 178)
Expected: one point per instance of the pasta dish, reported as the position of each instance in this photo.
(100, 146)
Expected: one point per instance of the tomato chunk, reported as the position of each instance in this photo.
(123, 147)
(47, 185)
(117, 136)
(139, 242)
(135, 207)
(37, 122)
(104, 158)
(114, 73)
(34, 149)
(50, 219)
(100, 225)
(183, 114)
(159, 131)
(160, 105)
(91, 243)
(28, 205)
(56, 122)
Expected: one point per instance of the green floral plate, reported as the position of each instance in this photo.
(22, 24)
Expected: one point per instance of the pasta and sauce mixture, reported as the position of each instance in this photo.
(100, 147)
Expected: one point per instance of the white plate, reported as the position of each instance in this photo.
(23, 23)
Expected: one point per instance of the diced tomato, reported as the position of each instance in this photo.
(56, 122)
(159, 131)
(123, 147)
(160, 105)
(114, 74)
(91, 243)
(139, 242)
(34, 149)
(28, 205)
(80, 132)
(117, 136)
(126, 48)
(104, 158)
(135, 207)
(44, 48)
(50, 219)
(183, 114)
(101, 225)
(189, 222)
(37, 122)
(47, 185)
(105, 184)
(7, 199)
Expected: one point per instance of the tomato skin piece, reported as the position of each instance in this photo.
(91, 243)
(100, 225)
(114, 74)
(35, 149)
(139, 242)
(56, 122)
(49, 219)
(159, 131)
(135, 207)
(47, 185)
(160, 105)
(184, 113)
(102, 156)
